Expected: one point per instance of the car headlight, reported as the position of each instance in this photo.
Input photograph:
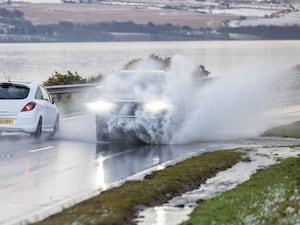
(101, 107)
(156, 106)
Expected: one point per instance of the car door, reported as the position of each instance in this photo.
(50, 110)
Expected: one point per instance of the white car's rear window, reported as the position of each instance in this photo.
(13, 91)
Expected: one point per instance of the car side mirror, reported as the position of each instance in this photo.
(55, 100)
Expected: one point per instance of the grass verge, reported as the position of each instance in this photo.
(119, 205)
(290, 130)
(271, 196)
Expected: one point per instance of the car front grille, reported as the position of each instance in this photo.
(126, 109)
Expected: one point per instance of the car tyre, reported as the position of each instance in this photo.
(39, 129)
(102, 136)
(102, 131)
(56, 126)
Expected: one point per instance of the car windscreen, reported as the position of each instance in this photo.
(13, 91)
(130, 81)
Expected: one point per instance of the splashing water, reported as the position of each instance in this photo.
(229, 106)
(210, 108)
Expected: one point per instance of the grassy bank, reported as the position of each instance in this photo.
(118, 205)
(271, 196)
(290, 130)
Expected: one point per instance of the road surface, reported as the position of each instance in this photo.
(39, 177)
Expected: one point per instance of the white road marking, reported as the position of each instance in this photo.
(41, 149)
(74, 117)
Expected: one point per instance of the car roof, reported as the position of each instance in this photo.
(31, 84)
(144, 72)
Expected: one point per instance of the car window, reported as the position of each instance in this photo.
(45, 94)
(38, 94)
(13, 91)
(150, 81)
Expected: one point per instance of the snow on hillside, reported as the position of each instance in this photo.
(290, 19)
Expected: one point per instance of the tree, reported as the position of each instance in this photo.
(64, 79)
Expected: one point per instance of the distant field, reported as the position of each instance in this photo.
(94, 13)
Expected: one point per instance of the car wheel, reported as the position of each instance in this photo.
(102, 136)
(39, 129)
(56, 126)
(102, 131)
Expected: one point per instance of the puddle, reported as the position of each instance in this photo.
(178, 209)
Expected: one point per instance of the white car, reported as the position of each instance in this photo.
(27, 107)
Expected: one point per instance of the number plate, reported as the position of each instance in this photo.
(6, 122)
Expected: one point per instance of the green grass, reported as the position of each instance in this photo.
(118, 205)
(271, 196)
(291, 131)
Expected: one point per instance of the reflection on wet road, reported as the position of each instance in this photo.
(40, 177)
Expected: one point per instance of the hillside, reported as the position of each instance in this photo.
(147, 20)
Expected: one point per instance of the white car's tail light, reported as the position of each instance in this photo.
(28, 107)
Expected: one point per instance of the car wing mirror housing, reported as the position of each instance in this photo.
(55, 100)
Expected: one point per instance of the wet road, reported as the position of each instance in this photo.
(39, 177)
